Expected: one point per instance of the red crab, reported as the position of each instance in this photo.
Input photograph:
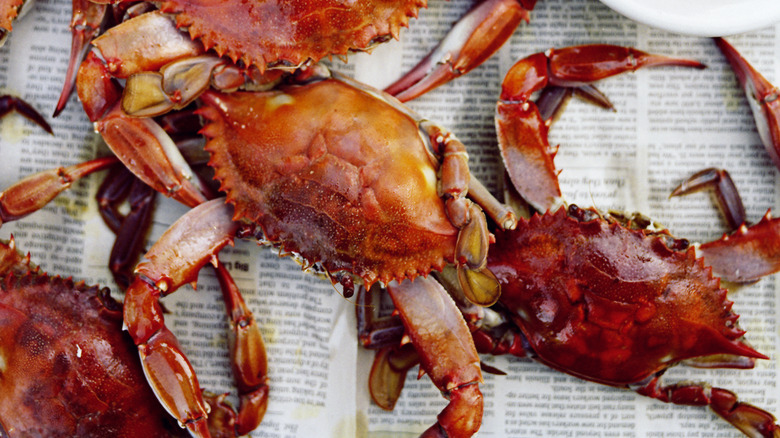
(359, 195)
(88, 378)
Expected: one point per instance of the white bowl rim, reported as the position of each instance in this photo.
(706, 18)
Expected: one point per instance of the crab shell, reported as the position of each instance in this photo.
(9, 9)
(609, 304)
(289, 32)
(66, 366)
(333, 173)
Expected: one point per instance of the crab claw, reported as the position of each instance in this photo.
(474, 39)
(446, 351)
(522, 130)
(11, 103)
(85, 24)
(762, 96)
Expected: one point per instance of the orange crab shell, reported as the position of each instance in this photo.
(609, 304)
(8, 11)
(289, 32)
(334, 174)
(68, 368)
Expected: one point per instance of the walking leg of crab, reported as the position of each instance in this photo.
(247, 350)
(174, 260)
(762, 97)
(522, 131)
(392, 360)
(729, 200)
(752, 421)
(85, 24)
(12, 103)
(118, 187)
(35, 191)
(474, 39)
(447, 353)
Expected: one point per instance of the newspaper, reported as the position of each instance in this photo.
(669, 123)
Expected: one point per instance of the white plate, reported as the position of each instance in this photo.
(701, 17)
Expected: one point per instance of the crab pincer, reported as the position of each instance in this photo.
(618, 306)
(522, 126)
(11, 103)
(762, 97)
(473, 39)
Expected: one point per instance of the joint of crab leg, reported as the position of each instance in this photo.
(502, 214)
(726, 192)
(752, 421)
(11, 103)
(474, 39)
(35, 191)
(749, 419)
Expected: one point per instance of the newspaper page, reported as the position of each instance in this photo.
(669, 123)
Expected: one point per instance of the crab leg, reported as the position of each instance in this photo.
(522, 130)
(173, 261)
(751, 251)
(726, 192)
(130, 228)
(32, 193)
(247, 351)
(749, 419)
(474, 39)
(747, 254)
(85, 24)
(762, 97)
(11, 103)
(446, 350)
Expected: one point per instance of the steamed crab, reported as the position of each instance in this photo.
(88, 379)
